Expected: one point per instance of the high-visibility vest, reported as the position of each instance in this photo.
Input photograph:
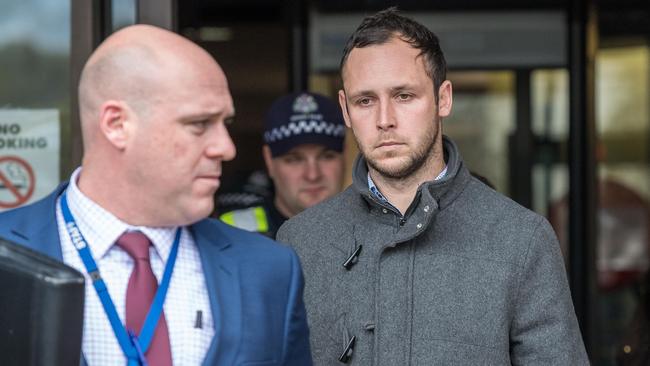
(251, 219)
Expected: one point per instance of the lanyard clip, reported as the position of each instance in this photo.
(94, 275)
(136, 344)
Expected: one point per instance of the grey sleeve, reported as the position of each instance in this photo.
(544, 328)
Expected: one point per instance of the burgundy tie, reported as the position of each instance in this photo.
(139, 296)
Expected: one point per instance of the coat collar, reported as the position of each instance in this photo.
(431, 197)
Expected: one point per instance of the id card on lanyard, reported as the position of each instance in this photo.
(133, 346)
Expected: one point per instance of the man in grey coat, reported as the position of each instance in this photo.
(417, 262)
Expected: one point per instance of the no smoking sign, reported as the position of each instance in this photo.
(29, 155)
(17, 182)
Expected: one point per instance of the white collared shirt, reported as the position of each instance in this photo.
(187, 294)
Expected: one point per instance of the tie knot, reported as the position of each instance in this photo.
(135, 243)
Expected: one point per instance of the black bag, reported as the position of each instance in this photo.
(41, 309)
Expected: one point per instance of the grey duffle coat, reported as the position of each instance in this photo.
(466, 277)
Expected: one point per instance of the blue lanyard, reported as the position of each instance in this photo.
(133, 346)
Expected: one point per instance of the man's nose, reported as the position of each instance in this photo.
(312, 170)
(221, 145)
(385, 114)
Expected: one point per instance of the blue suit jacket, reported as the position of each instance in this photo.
(254, 285)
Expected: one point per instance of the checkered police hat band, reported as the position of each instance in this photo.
(304, 127)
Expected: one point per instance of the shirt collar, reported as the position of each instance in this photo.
(375, 191)
(101, 229)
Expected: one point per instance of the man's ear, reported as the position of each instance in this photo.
(344, 107)
(116, 122)
(268, 160)
(445, 99)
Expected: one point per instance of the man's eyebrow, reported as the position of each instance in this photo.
(202, 116)
(360, 93)
(199, 116)
(401, 88)
(364, 93)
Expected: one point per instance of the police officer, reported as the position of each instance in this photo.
(304, 138)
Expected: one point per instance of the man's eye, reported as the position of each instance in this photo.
(403, 97)
(291, 159)
(199, 126)
(364, 101)
(329, 155)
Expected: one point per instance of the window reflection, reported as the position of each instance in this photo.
(623, 126)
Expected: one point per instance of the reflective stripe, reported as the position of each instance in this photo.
(251, 219)
(228, 218)
(260, 217)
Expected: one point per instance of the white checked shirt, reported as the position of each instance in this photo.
(186, 296)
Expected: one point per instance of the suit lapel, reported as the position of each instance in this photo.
(47, 239)
(39, 230)
(222, 281)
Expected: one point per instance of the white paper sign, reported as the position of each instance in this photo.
(29, 155)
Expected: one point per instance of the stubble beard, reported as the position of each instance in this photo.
(411, 163)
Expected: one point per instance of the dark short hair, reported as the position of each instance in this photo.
(381, 27)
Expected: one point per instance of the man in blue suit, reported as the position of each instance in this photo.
(181, 289)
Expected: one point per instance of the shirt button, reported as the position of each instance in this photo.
(419, 226)
(426, 208)
(384, 210)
